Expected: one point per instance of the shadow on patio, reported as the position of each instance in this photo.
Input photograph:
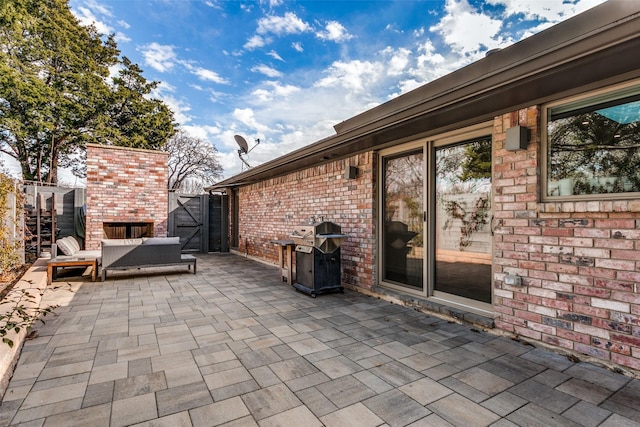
(233, 345)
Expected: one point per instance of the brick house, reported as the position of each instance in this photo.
(506, 193)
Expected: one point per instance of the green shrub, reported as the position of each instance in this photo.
(9, 245)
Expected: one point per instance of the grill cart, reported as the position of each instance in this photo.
(318, 257)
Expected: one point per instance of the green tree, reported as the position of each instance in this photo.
(134, 120)
(55, 93)
(591, 145)
(477, 161)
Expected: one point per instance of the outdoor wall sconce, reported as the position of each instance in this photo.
(517, 138)
(351, 172)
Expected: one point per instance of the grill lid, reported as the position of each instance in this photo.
(325, 236)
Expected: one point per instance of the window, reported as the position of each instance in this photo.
(593, 145)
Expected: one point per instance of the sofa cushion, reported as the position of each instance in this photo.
(121, 242)
(160, 240)
(67, 245)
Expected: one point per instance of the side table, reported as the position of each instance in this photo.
(53, 264)
(285, 259)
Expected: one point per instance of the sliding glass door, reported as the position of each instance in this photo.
(403, 224)
(462, 220)
(436, 217)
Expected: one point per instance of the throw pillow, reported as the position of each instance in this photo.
(65, 246)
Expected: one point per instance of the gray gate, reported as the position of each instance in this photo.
(199, 221)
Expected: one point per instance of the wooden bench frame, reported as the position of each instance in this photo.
(55, 263)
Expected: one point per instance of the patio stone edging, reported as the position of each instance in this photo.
(426, 306)
(34, 278)
(486, 323)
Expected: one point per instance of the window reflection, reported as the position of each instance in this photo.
(594, 149)
(463, 213)
(403, 236)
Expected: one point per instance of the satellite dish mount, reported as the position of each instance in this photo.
(244, 148)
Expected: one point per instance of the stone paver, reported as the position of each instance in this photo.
(234, 346)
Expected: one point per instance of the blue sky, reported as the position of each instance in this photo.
(287, 71)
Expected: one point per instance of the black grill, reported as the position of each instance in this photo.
(318, 257)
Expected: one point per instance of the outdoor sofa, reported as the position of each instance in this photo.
(124, 254)
(66, 253)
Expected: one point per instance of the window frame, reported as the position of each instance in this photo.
(574, 103)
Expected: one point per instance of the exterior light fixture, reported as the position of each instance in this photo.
(517, 138)
(351, 172)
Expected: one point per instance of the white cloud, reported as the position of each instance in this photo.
(159, 57)
(282, 25)
(551, 11)
(246, 117)
(266, 70)
(276, 90)
(334, 31)
(255, 42)
(467, 31)
(124, 24)
(297, 46)
(397, 60)
(213, 4)
(275, 55)
(180, 107)
(121, 37)
(86, 17)
(208, 75)
(274, 3)
(204, 132)
(353, 75)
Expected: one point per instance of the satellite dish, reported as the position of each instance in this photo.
(242, 143)
(244, 148)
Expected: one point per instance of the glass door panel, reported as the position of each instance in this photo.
(403, 224)
(463, 214)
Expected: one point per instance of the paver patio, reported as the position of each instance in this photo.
(235, 346)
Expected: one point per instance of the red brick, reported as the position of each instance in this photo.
(592, 232)
(631, 362)
(613, 244)
(557, 341)
(633, 298)
(573, 336)
(615, 264)
(592, 291)
(528, 333)
(560, 232)
(628, 255)
(584, 242)
(603, 273)
(620, 223)
(592, 351)
(626, 339)
(560, 305)
(563, 268)
(631, 276)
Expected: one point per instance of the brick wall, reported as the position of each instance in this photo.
(580, 261)
(125, 185)
(270, 209)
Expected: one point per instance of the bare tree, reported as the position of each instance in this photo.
(193, 163)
